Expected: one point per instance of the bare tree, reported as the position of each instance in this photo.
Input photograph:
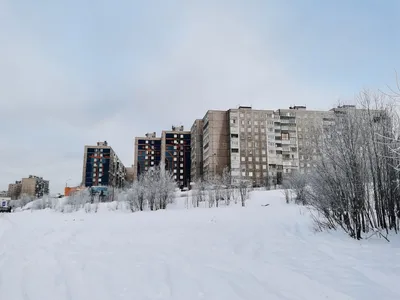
(244, 187)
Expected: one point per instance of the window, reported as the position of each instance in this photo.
(181, 141)
(94, 179)
(263, 152)
(255, 122)
(250, 174)
(147, 142)
(181, 136)
(243, 158)
(181, 177)
(152, 163)
(181, 165)
(152, 158)
(181, 171)
(235, 150)
(181, 153)
(243, 174)
(257, 159)
(175, 159)
(175, 147)
(242, 129)
(175, 135)
(257, 167)
(264, 167)
(99, 179)
(249, 129)
(249, 144)
(175, 177)
(250, 158)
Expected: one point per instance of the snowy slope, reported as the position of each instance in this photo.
(227, 253)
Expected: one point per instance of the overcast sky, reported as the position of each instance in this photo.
(76, 72)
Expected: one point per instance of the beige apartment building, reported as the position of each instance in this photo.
(216, 143)
(34, 186)
(260, 146)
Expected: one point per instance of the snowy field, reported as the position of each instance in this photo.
(228, 253)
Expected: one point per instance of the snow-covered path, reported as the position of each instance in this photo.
(227, 253)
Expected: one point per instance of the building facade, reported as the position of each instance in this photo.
(215, 143)
(14, 190)
(34, 187)
(176, 154)
(196, 144)
(102, 167)
(260, 146)
(147, 153)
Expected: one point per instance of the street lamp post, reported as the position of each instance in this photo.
(66, 182)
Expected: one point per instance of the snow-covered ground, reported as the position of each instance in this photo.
(228, 253)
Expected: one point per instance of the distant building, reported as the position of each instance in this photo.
(102, 167)
(147, 153)
(172, 148)
(34, 187)
(14, 190)
(130, 175)
(70, 190)
(3, 193)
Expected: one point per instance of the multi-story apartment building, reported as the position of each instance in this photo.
(34, 186)
(260, 146)
(310, 124)
(147, 153)
(102, 167)
(215, 143)
(176, 154)
(248, 144)
(14, 190)
(196, 146)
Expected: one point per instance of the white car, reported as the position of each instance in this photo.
(5, 206)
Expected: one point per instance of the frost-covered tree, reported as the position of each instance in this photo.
(354, 185)
(166, 186)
